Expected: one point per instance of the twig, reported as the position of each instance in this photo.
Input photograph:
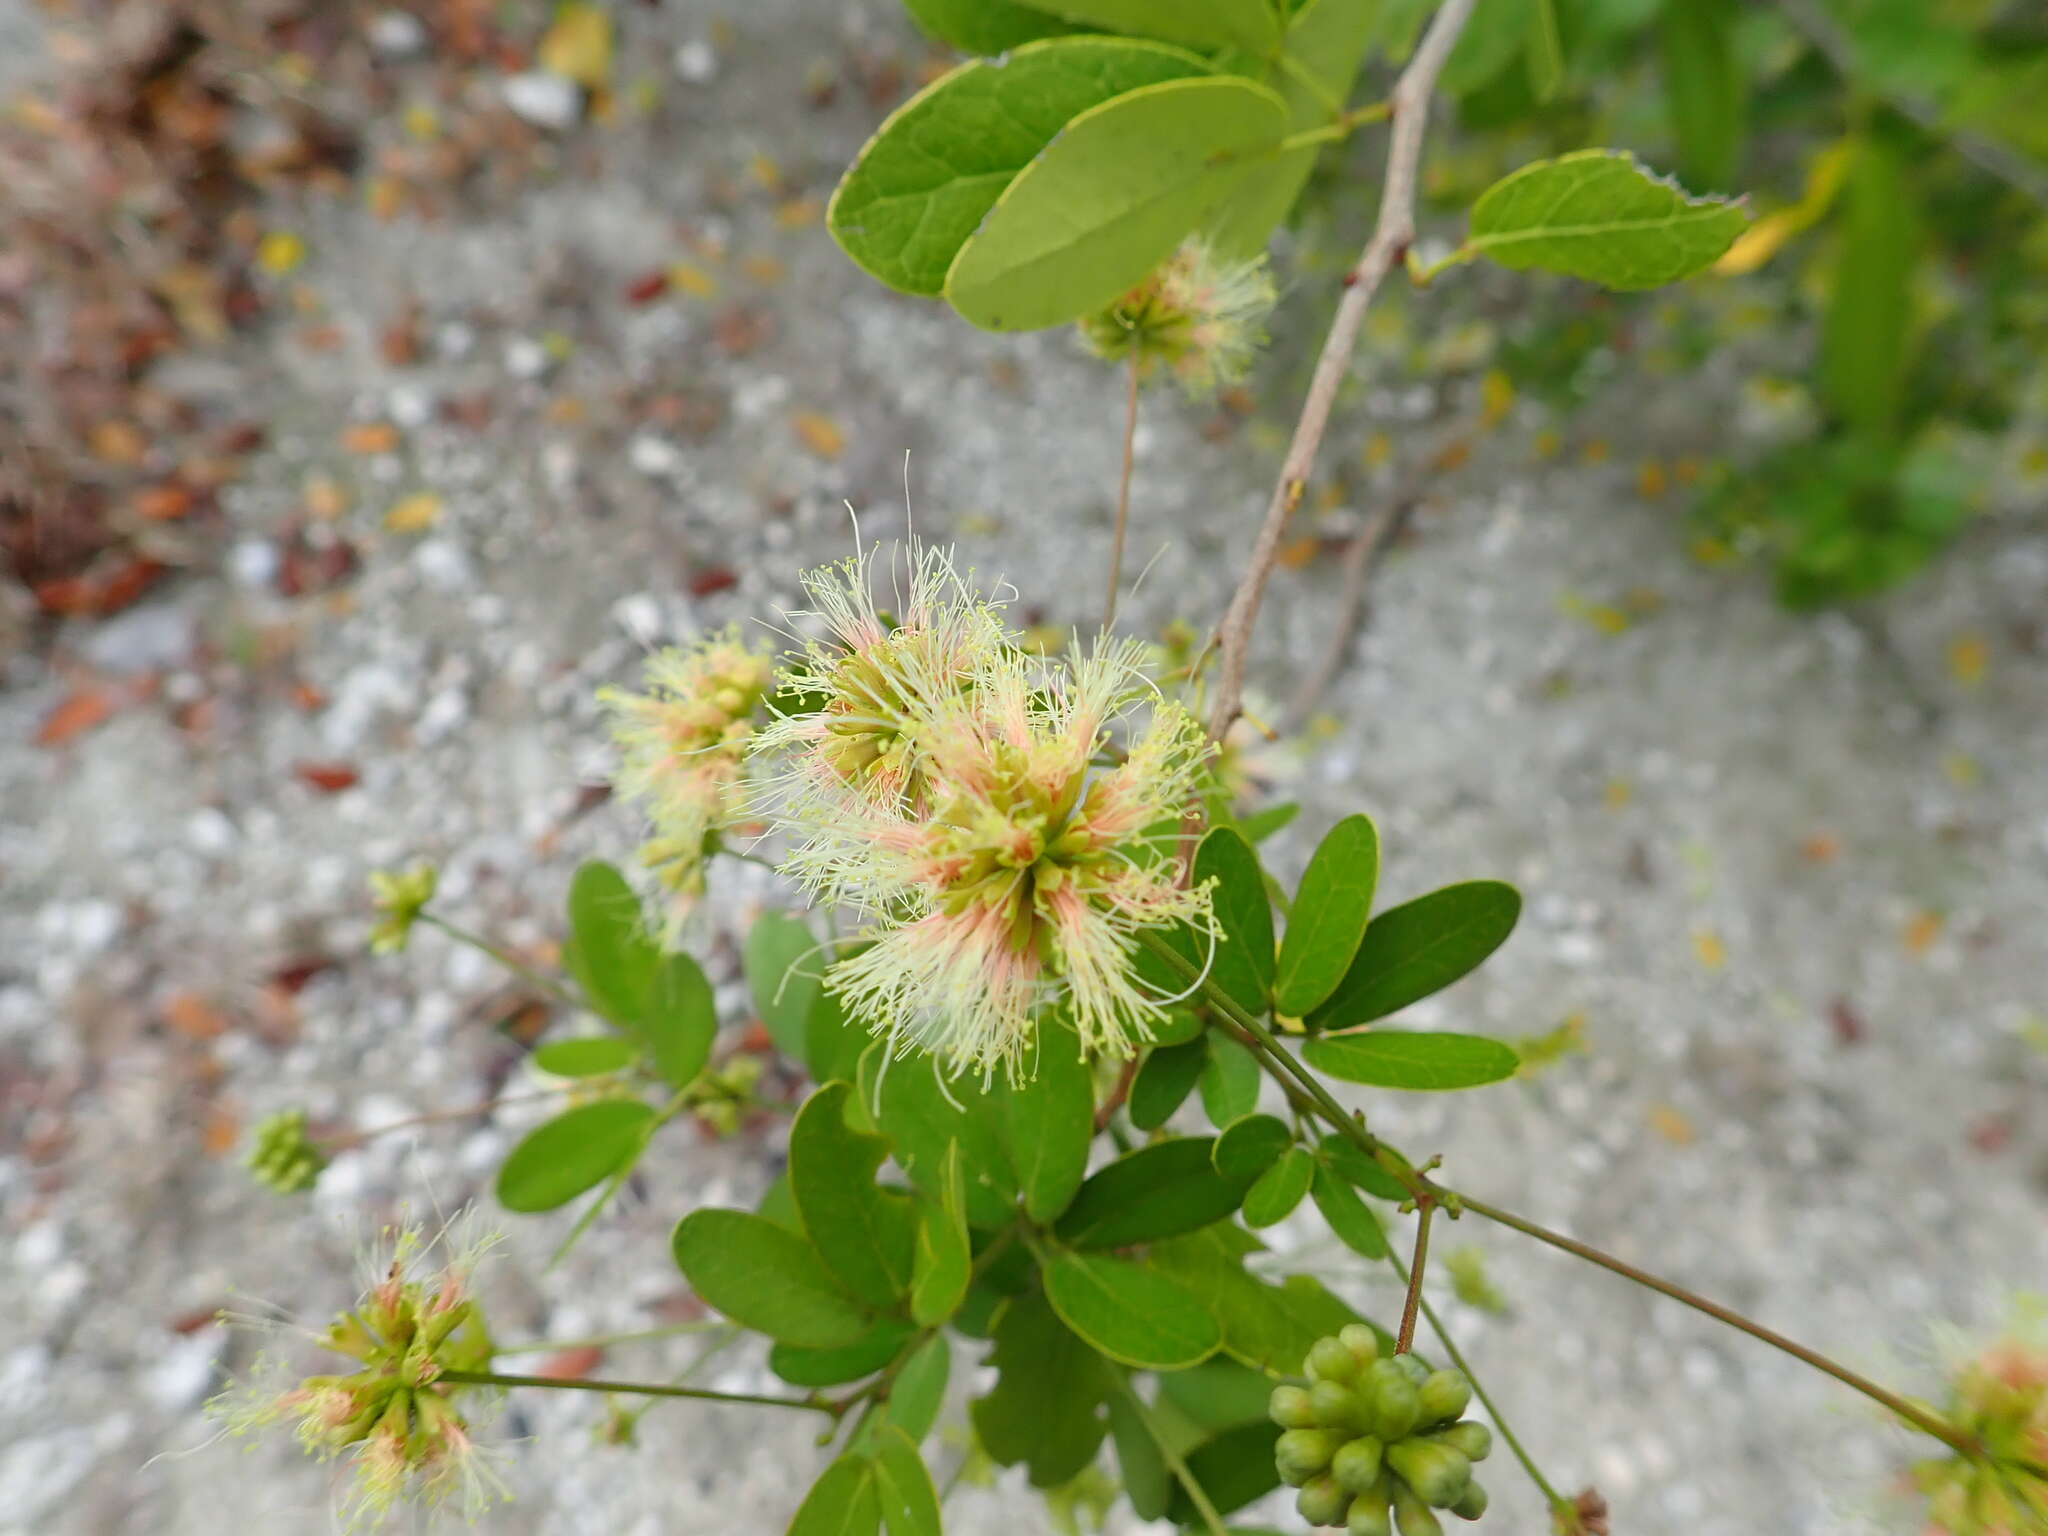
(504, 957)
(1988, 155)
(637, 1388)
(1392, 234)
(1307, 1093)
(1405, 1341)
(1212, 1522)
(1356, 570)
(1123, 499)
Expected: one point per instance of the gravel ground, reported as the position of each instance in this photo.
(1790, 872)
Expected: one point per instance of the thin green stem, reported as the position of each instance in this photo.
(1198, 1496)
(1919, 1416)
(510, 962)
(636, 1388)
(1422, 274)
(1424, 1210)
(1123, 499)
(608, 1340)
(1306, 1090)
(1328, 133)
(1310, 81)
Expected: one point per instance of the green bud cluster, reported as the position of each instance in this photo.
(1376, 1445)
(720, 1097)
(283, 1157)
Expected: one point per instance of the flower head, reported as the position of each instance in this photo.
(682, 748)
(400, 897)
(1999, 1397)
(391, 1411)
(281, 1154)
(872, 681)
(1020, 875)
(1200, 319)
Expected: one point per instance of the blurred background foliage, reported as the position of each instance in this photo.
(1883, 320)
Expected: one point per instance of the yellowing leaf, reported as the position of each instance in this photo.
(280, 252)
(414, 514)
(578, 45)
(422, 122)
(1969, 657)
(821, 434)
(765, 270)
(1605, 617)
(1670, 1122)
(1708, 949)
(1921, 932)
(1496, 397)
(694, 281)
(764, 172)
(1618, 793)
(797, 212)
(1765, 238)
(1652, 481)
(1379, 448)
(1962, 770)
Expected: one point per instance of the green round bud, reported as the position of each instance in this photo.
(1413, 1368)
(1339, 1407)
(1361, 1341)
(1471, 1437)
(1471, 1503)
(1329, 1360)
(1289, 1407)
(1357, 1464)
(1396, 1407)
(1437, 1473)
(1369, 1516)
(1414, 1517)
(1302, 1453)
(1322, 1502)
(1445, 1395)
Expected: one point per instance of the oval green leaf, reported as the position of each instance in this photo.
(1328, 917)
(802, 1367)
(1279, 1189)
(783, 964)
(943, 1261)
(842, 1502)
(910, 1504)
(1230, 1082)
(933, 170)
(1249, 24)
(1164, 1082)
(586, 1056)
(1154, 1192)
(1350, 1162)
(983, 26)
(1044, 1409)
(1243, 963)
(681, 1020)
(1347, 1215)
(922, 1117)
(610, 953)
(1250, 1145)
(1233, 1468)
(1420, 947)
(1111, 198)
(1147, 1482)
(1399, 1058)
(1049, 1123)
(1130, 1313)
(919, 1390)
(766, 1278)
(577, 1150)
(865, 1234)
(1600, 215)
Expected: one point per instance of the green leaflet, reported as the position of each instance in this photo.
(923, 184)
(1110, 199)
(1599, 215)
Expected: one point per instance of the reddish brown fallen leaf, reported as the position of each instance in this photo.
(163, 503)
(217, 1137)
(75, 714)
(1821, 848)
(1847, 1023)
(328, 778)
(713, 578)
(400, 342)
(370, 437)
(125, 586)
(307, 699)
(819, 433)
(570, 1364)
(291, 977)
(194, 1017)
(1992, 1134)
(739, 331)
(648, 287)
